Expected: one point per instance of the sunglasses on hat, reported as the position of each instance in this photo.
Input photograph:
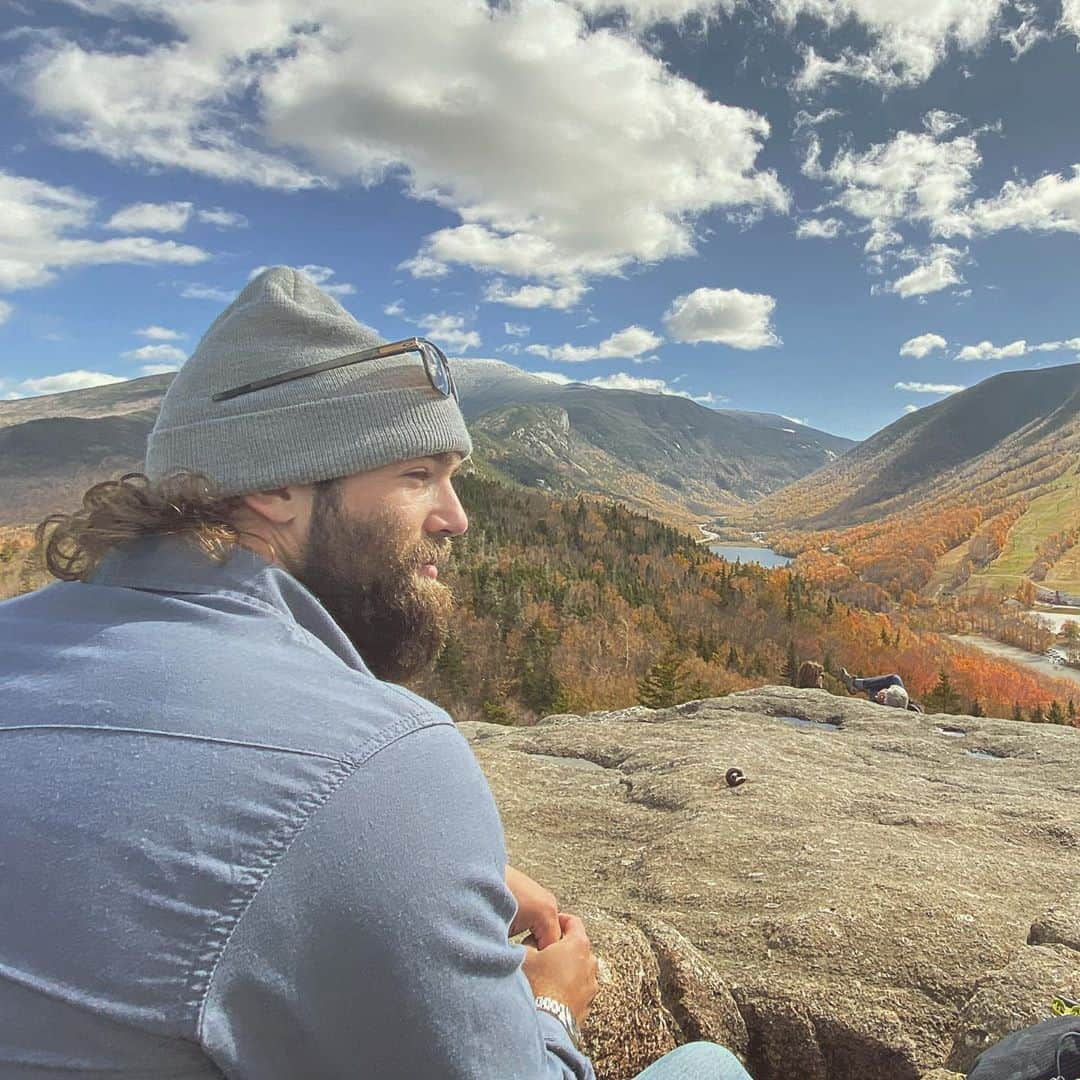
(435, 364)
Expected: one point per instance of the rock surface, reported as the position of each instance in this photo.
(859, 909)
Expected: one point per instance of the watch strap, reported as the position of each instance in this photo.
(562, 1012)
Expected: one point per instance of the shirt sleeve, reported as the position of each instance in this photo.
(378, 944)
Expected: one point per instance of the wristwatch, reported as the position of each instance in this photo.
(562, 1013)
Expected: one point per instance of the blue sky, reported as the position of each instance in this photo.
(836, 210)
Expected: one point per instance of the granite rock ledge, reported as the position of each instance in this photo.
(886, 895)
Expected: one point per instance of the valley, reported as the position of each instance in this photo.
(587, 573)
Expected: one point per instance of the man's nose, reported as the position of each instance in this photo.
(448, 517)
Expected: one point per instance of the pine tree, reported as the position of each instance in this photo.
(540, 688)
(451, 667)
(1071, 710)
(830, 606)
(733, 659)
(1017, 713)
(884, 637)
(790, 670)
(1055, 714)
(976, 709)
(943, 698)
(1036, 715)
(658, 688)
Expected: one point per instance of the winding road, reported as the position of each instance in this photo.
(1019, 656)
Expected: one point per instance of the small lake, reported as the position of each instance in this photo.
(763, 556)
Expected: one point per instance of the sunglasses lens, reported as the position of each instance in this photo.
(438, 370)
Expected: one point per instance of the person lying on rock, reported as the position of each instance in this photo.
(233, 846)
(884, 689)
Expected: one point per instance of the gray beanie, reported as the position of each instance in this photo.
(319, 427)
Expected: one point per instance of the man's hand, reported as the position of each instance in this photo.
(537, 910)
(566, 970)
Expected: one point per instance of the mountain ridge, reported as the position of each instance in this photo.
(979, 491)
(664, 454)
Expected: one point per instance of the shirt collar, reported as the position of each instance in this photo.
(174, 565)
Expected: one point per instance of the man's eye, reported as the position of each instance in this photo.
(419, 474)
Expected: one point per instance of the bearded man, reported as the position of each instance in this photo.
(232, 844)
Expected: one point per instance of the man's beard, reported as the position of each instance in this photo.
(366, 573)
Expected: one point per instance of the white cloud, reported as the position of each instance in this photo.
(173, 105)
(223, 219)
(321, 275)
(168, 353)
(911, 408)
(928, 388)
(159, 333)
(1027, 33)
(1069, 345)
(395, 309)
(726, 316)
(644, 13)
(804, 119)
(5, 311)
(39, 227)
(158, 369)
(880, 239)
(448, 331)
(504, 120)
(908, 40)
(1070, 16)
(937, 273)
(151, 217)
(559, 297)
(516, 329)
(987, 351)
(630, 342)
(1049, 204)
(207, 292)
(921, 178)
(620, 380)
(913, 177)
(922, 345)
(67, 380)
(815, 228)
(939, 122)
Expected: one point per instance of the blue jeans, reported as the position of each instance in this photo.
(696, 1061)
(876, 683)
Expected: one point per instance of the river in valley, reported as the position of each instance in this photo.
(763, 556)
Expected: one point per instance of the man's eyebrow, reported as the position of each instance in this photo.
(448, 459)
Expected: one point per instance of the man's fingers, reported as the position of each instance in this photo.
(572, 926)
(547, 930)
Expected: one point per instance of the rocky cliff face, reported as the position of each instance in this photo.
(884, 896)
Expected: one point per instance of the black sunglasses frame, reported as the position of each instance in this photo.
(436, 365)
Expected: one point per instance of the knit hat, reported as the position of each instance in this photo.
(319, 427)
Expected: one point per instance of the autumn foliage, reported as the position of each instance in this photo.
(577, 606)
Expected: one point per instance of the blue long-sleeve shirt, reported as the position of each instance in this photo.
(227, 848)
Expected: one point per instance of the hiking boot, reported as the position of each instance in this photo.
(849, 679)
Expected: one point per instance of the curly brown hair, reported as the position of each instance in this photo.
(810, 672)
(117, 511)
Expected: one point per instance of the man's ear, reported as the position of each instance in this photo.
(279, 506)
